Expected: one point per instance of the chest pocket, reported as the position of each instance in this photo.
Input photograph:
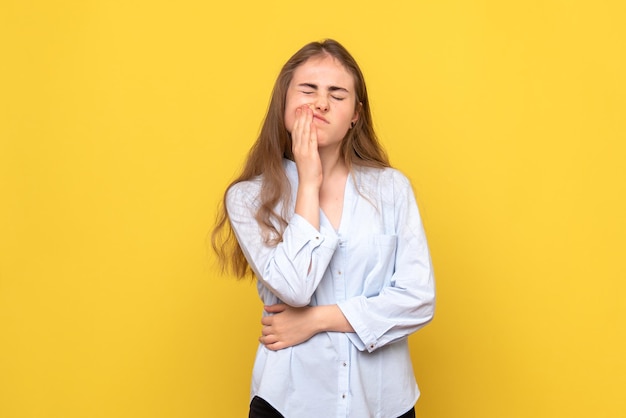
(383, 248)
(382, 264)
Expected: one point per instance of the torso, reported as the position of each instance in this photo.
(332, 197)
(361, 208)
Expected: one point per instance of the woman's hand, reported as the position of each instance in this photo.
(288, 326)
(304, 147)
(309, 165)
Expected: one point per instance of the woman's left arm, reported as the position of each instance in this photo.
(408, 302)
(371, 322)
(289, 326)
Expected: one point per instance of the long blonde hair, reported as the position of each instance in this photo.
(359, 147)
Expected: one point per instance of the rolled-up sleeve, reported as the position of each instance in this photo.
(293, 268)
(408, 302)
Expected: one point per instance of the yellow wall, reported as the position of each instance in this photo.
(122, 121)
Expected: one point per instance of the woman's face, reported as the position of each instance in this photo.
(328, 88)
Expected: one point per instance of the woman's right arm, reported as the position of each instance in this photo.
(309, 164)
(292, 269)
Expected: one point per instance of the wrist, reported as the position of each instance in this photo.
(310, 188)
(308, 204)
(317, 319)
(330, 318)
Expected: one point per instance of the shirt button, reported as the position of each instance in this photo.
(371, 345)
(345, 364)
(339, 272)
(343, 396)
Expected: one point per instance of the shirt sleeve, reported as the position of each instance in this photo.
(292, 269)
(408, 303)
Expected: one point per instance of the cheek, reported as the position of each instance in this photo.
(290, 114)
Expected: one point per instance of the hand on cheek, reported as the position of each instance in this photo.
(304, 147)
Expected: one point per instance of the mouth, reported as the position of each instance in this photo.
(320, 118)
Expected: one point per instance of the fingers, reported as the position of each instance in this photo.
(276, 346)
(279, 307)
(272, 343)
(305, 152)
(313, 134)
(268, 336)
(304, 133)
(296, 125)
(273, 309)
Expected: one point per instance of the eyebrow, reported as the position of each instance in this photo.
(330, 88)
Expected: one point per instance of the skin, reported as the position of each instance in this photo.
(319, 109)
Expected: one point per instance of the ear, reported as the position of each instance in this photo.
(357, 112)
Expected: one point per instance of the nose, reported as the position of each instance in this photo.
(321, 103)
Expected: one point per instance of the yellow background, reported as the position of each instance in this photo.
(121, 122)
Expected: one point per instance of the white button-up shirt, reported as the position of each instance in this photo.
(376, 267)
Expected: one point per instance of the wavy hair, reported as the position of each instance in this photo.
(360, 147)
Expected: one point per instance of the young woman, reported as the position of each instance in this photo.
(335, 240)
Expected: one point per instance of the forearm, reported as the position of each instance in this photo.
(330, 318)
(292, 269)
(288, 326)
(308, 204)
(309, 165)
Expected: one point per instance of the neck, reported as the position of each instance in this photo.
(332, 163)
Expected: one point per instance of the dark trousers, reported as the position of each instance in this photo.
(259, 408)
